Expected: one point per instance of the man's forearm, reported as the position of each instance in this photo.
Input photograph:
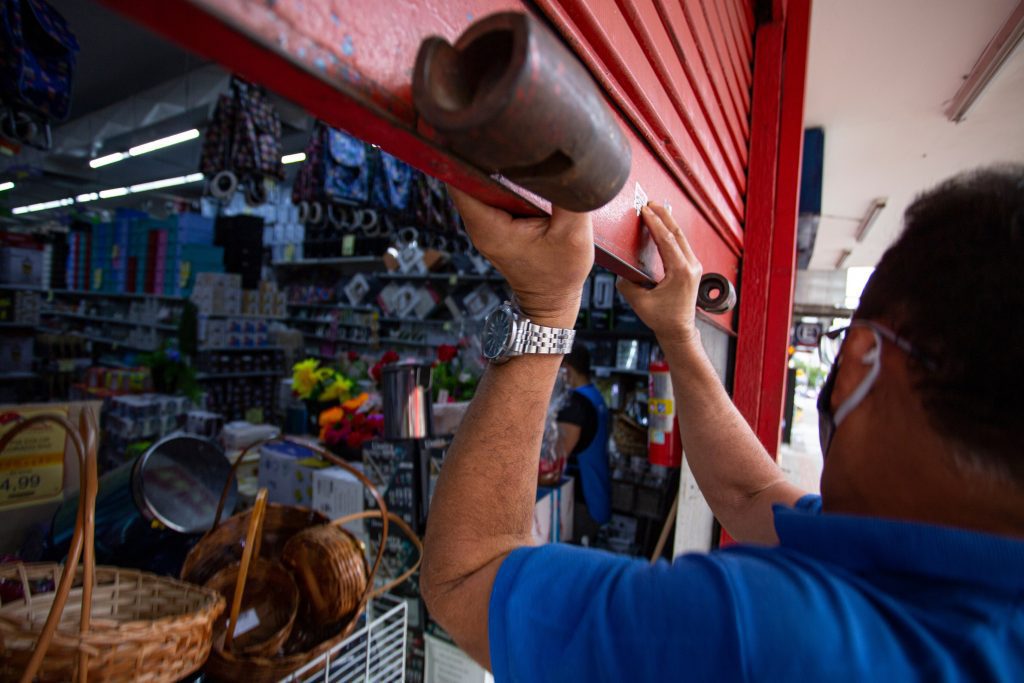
(484, 500)
(736, 475)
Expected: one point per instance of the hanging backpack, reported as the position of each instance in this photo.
(37, 60)
(242, 143)
(309, 180)
(346, 168)
(394, 183)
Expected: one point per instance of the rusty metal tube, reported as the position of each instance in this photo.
(510, 98)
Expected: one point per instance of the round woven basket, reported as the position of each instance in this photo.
(99, 623)
(331, 571)
(308, 639)
(271, 596)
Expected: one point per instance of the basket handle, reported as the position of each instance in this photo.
(84, 529)
(252, 542)
(406, 530)
(329, 457)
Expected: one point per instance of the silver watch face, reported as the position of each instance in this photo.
(498, 331)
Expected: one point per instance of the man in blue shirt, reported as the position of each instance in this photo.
(583, 439)
(909, 567)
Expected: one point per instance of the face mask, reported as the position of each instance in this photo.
(829, 423)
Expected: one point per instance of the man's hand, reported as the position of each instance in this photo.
(545, 260)
(670, 309)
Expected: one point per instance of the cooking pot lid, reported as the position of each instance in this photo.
(179, 481)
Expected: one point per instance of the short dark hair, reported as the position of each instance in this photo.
(953, 285)
(578, 359)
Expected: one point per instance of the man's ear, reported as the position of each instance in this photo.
(860, 343)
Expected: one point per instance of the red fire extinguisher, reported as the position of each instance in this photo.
(664, 447)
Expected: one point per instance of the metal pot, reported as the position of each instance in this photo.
(407, 401)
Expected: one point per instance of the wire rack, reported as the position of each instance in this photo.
(373, 654)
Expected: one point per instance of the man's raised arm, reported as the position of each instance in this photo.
(482, 507)
(738, 478)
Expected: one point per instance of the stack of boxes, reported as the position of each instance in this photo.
(21, 266)
(138, 254)
(231, 317)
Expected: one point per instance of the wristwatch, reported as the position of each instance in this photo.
(507, 333)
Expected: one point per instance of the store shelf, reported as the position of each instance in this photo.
(336, 306)
(606, 370)
(17, 325)
(115, 295)
(227, 349)
(417, 321)
(387, 341)
(17, 376)
(21, 288)
(338, 340)
(116, 321)
(315, 321)
(444, 277)
(246, 316)
(112, 342)
(338, 261)
(210, 376)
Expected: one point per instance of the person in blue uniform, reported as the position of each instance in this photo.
(908, 567)
(583, 440)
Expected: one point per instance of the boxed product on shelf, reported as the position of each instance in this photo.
(15, 353)
(553, 512)
(286, 471)
(20, 307)
(21, 260)
(446, 662)
(239, 435)
(336, 493)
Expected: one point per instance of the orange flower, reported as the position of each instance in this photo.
(331, 416)
(353, 404)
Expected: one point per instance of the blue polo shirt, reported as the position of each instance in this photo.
(840, 599)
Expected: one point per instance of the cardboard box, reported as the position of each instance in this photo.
(286, 471)
(16, 353)
(552, 514)
(21, 265)
(336, 493)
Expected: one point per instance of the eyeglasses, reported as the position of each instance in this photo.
(831, 342)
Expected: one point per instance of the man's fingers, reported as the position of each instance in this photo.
(479, 217)
(671, 254)
(630, 290)
(673, 227)
(564, 222)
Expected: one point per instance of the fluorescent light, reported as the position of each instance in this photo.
(42, 206)
(109, 193)
(147, 147)
(992, 59)
(109, 159)
(843, 256)
(869, 218)
(293, 158)
(6, 186)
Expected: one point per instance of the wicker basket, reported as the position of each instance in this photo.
(629, 436)
(99, 623)
(308, 639)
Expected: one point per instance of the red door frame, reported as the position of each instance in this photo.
(769, 263)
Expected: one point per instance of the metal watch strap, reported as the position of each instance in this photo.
(539, 339)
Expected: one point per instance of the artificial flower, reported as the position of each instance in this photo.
(304, 377)
(353, 404)
(446, 352)
(337, 389)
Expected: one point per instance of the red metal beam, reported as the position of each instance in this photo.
(764, 156)
(783, 267)
(351, 66)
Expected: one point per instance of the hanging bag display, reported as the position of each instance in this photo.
(346, 168)
(37, 61)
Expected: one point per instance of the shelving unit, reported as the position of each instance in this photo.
(608, 371)
(201, 376)
(114, 295)
(337, 261)
(451, 278)
(115, 321)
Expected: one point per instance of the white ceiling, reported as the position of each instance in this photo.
(880, 73)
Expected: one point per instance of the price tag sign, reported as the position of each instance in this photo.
(32, 465)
